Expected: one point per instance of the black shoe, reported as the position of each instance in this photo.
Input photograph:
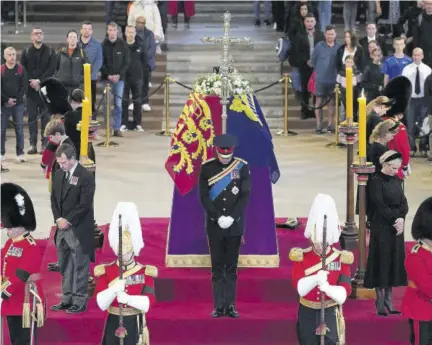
(75, 309)
(257, 22)
(54, 267)
(32, 150)
(61, 306)
(117, 133)
(380, 311)
(218, 312)
(388, 302)
(4, 170)
(379, 303)
(232, 312)
(267, 22)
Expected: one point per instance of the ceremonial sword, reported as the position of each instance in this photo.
(121, 332)
(322, 328)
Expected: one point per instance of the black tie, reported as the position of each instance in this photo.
(417, 82)
(67, 176)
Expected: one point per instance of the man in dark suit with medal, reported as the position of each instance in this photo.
(224, 192)
(72, 196)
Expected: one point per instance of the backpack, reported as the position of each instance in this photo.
(3, 69)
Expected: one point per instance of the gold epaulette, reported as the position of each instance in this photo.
(346, 257)
(296, 254)
(241, 160)
(99, 270)
(208, 161)
(151, 271)
(415, 248)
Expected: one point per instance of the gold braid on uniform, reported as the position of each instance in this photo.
(346, 257)
(296, 254)
(340, 324)
(151, 271)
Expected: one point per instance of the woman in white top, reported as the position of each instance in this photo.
(150, 11)
(350, 48)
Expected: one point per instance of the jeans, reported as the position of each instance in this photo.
(17, 113)
(417, 108)
(256, 8)
(163, 10)
(325, 13)
(36, 109)
(350, 14)
(108, 8)
(116, 99)
(133, 87)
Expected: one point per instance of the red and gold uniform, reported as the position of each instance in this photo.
(417, 302)
(307, 263)
(400, 143)
(139, 281)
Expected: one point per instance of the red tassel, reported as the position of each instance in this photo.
(121, 332)
(321, 330)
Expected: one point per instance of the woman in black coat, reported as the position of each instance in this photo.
(385, 265)
(373, 78)
(350, 47)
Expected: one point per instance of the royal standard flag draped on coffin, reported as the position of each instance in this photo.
(200, 121)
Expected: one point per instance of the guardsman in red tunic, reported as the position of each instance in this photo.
(135, 292)
(311, 281)
(417, 302)
(21, 288)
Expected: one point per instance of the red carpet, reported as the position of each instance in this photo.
(266, 301)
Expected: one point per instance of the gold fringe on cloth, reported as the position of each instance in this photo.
(26, 315)
(340, 322)
(256, 261)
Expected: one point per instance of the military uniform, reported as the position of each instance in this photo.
(139, 281)
(400, 143)
(21, 259)
(417, 302)
(306, 263)
(224, 191)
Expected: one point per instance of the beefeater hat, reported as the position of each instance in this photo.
(132, 239)
(399, 91)
(422, 224)
(55, 95)
(16, 208)
(225, 144)
(323, 205)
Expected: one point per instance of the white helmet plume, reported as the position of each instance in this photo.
(323, 205)
(130, 222)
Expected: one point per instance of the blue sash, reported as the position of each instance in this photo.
(224, 181)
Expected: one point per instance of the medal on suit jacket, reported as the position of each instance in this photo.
(74, 180)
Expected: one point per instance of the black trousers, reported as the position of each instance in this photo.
(224, 253)
(145, 86)
(35, 109)
(134, 87)
(278, 13)
(308, 321)
(305, 74)
(18, 334)
(163, 10)
(421, 332)
(131, 325)
(93, 90)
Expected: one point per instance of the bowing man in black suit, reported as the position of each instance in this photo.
(72, 196)
(224, 192)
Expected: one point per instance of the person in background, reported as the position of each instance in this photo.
(278, 9)
(350, 15)
(149, 10)
(146, 38)
(163, 11)
(134, 78)
(40, 62)
(375, 110)
(350, 47)
(393, 65)
(428, 95)
(114, 66)
(119, 15)
(324, 63)
(373, 79)
(93, 50)
(297, 22)
(300, 57)
(389, 207)
(416, 72)
(186, 7)
(372, 35)
(257, 12)
(422, 32)
(368, 53)
(14, 84)
(410, 15)
(325, 12)
(416, 303)
(70, 61)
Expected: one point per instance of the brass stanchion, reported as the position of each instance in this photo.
(107, 142)
(167, 131)
(336, 142)
(286, 132)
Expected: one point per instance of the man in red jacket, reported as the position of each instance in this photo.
(417, 302)
(21, 288)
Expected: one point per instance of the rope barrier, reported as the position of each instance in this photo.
(107, 142)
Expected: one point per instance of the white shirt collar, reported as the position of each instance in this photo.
(73, 170)
(61, 142)
(371, 38)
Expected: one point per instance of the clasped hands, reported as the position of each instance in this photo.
(119, 289)
(225, 222)
(62, 224)
(322, 282)
(399, 226)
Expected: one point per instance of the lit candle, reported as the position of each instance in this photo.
(349, 93)
(85, 121)
(87, 83)
(362, 126)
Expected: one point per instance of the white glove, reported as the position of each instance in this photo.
(122, 297)
(139, 302)
(222, 221)
(229, 221)
(119, 286)
(336, 293)
(321, 277)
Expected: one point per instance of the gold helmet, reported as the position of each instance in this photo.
(132, 239)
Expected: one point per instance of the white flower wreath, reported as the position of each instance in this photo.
(211, 84)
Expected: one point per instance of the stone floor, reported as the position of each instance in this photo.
(134, 171)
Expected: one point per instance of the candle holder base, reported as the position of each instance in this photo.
(349, 131)
(165, 133)
(88, 164)
(350, 236)
(107, 144)
(337, 145)
(287, 134)
(359, 292)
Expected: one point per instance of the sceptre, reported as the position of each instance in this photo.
(121, 331)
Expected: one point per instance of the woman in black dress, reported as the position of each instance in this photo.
(385, 265)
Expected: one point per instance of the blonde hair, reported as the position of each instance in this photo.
(380, 100)
(8, 50)
(381, 130)
(386, 155)
(53, 127)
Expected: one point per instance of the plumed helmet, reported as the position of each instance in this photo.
(16, 208)
(55, 95)
(323, 205)
(422, 224)
(399, 90)
(132, 240)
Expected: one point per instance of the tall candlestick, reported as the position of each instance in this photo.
(362, 127)
(349, 93)
(85, 121)
(87, 83)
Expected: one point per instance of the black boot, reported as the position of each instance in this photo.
(218, 312)
(388, 302)
(379, 303)
(232, 312)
